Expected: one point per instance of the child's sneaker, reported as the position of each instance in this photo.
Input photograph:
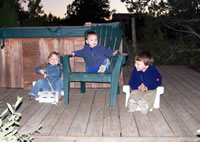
(102, 68)
(143, 106)
(32, 98)
(132, 106)
(37, 99)
(62, 93)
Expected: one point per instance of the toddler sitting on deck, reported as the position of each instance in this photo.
(51, 69)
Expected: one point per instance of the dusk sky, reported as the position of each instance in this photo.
(58, 7)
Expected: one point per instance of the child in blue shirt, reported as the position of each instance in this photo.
(53, 70)
(96, 56)
(144, 77)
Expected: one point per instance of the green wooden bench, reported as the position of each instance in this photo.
(110, 37)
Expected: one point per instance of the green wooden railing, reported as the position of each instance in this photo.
(41, 32)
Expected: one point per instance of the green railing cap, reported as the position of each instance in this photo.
(41, 32)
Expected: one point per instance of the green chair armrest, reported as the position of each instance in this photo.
(118, 65)
(66, 63)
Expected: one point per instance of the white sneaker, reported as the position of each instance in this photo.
(102, 68)
(62, 93)
(37, 99)
(143, 106)
(132, 106)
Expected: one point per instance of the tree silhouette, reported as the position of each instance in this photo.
(169, 29)
(34, 16)
(8, 15)
(12, 13)
(178, 15)
(35, 8)
(81, 11)
(151, 7)
(186, 9)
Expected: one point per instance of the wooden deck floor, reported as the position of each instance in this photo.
(88, 118)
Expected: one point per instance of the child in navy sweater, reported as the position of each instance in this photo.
(144, 77)
(96, 56)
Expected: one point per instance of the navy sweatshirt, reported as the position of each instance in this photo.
(151, 78)
(95, 57)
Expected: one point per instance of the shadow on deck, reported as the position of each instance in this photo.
(88, 117)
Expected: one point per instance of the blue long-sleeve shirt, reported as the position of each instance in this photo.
(54, 72)
(95, 57)
(151, 78)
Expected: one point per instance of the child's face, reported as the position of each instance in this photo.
(140, 66)
(92, 40)
(53, 60)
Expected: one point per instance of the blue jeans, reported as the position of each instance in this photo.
(105, 63)
(44, 85)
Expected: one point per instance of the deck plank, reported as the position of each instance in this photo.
(183, 113)
(191, 97)
(127, 120)
(175, 123)
(159, 123)
(64, 123)
(111, 125)
(26, 102)
(6, 96)
(95, 124)
(188, 80)
(52, 117)
(3, 92)
(11, 97)
(21, 93)
(186, 88)
(187, 71)
(143, 122)
(29, 111)
(115, 139)
(173, 96)
(80, 122)
(35, 121)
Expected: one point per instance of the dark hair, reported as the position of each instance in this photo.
(90, 33)
(145, 57)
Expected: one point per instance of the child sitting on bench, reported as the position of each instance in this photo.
(96, 56)
(144, 79)
(51, 69)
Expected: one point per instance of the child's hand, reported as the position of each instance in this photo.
(142, 88)
(71, 54)
(42, 71)
(115, 52)
(45, 75)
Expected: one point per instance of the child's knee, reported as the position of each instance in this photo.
(136, 95)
